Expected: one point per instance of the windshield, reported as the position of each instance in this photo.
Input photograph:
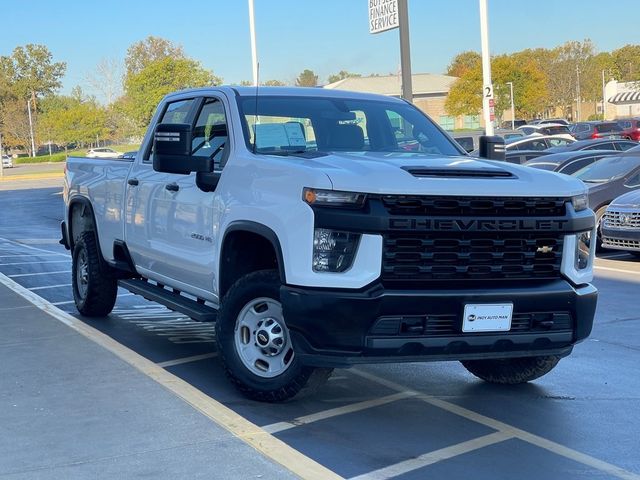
(608, 169)
(295, 125)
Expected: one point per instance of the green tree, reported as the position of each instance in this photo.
(307, 79)
(463, 62)
(341, 75)
(627, 63)
(150, 50)
(66, 120)
(273, 83)
(145, 89)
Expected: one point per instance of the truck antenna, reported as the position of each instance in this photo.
(255, 115)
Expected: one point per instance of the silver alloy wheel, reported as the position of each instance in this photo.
(82, 273)
(262, 339)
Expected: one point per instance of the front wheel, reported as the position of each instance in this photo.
(94, 288)
(255, 345)
(511, 371)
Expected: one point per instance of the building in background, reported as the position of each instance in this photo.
(429, 94)
(623, 100)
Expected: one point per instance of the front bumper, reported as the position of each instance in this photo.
(341, 328)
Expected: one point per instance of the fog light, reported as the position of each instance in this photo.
(333, 251)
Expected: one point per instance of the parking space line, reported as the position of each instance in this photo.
(265, 443)
(33, 263)
(31, 255)
(334, 412)
(69, 302)
(45, 287)
(39, 273)
(619, 270)
(615, 255)
(180, 361)
(531, 438)
(435, 457)
(22, 245)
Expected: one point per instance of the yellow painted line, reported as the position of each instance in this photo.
(33, 176)
(434, 457)
(515, 432)
(265, 443)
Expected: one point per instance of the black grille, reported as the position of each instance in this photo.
(442, 325)
(474, 206)
(415, 257)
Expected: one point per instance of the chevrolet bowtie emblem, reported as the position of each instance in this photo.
(545, 249)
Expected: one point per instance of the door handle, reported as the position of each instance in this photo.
(133, 182)
(172, 187)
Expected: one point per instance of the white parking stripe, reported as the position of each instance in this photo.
(31, 255)
(553, 447)
(69, 302)
(180, 361)
(334, 412)
(435, 457)
(33, 289)
(39, 273)
(36, 249)
(33, 263)
(619, 270)
(615, 255)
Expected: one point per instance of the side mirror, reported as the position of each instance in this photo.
(172, 150)
(492, 148)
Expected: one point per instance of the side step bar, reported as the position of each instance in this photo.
(170, 299)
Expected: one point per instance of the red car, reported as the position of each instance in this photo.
(631, 128)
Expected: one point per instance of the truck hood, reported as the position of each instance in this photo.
(629, 200)
(414, 174)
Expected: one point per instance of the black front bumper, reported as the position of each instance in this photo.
(342, 328)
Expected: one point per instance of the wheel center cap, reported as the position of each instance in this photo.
(263, 338)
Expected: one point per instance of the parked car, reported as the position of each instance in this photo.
(621, 223)
(7, 161)
(568, 162)
(586, 130)
(616, 144)
(507, 125)
(537, 142)
(508, 133)
(630, 128)
(129, 155)
(609, 178)
(103, 152)
(469, 140)
(547, 129)
(542, 121)
(520, 157)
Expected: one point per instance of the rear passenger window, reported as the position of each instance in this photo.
(634, 181)
(576, 165)
(602, 146)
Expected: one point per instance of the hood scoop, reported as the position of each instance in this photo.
(440, 172)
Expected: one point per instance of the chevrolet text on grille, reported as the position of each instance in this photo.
(487, 225)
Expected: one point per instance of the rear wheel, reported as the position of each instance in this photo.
(511, 371)
(94, 288)
(255, 345)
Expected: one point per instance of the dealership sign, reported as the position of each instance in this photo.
(383, 15)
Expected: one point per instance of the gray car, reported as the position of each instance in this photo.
(568, 162)
(609, 178)
(621, 223)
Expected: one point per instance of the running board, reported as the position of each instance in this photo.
(170, 299)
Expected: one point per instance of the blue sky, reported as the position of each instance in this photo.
(323, 35)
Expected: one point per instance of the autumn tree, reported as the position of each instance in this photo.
(463, 62)
(626, 62)
(307, 79)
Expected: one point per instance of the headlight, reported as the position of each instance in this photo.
(580, 202)
(333, 198)
(333, 251)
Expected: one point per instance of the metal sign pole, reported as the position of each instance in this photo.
(1, 158)
(405, 53)
(487, 89)
(254, 53)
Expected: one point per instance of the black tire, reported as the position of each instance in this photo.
(511, 371)
(599, 214)
(296, 381)
(95, 289)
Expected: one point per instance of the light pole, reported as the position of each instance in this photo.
(604, 99)
(513, 108)
(254, 53)
(487, 87)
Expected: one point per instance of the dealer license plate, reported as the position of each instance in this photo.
(487, 317)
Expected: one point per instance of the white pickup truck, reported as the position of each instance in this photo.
(323, 229)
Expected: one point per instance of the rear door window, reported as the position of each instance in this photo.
(576, 165)
(602, 146)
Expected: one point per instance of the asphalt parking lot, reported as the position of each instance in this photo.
(410, 421)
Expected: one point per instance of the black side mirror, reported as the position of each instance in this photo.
(492, 148)
(172, 150)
